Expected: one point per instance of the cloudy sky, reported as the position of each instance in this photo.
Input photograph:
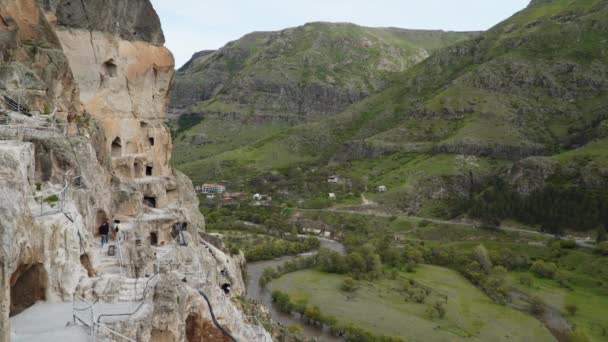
(194, 25)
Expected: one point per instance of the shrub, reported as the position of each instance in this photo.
(52, 199)
(295, 329)
(537, 306)
(571, 309)
(526, 279)
(348, 284)
(424, 223)
(568, 244)
(543, 269)
(603, 248)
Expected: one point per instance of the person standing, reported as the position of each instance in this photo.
(104, 230)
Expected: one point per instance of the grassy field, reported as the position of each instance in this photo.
(381, 307)
(592, 303)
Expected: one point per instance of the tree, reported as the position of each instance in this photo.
(482, 257)
(348, 284)
(467, 166)
(439, 309)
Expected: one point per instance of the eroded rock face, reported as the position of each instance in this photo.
(34, 69)
(132, 20)
(102, 64)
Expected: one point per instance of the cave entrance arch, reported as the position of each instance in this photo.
(28, 285)
(116, 148)
(153, 238)
(100, 218)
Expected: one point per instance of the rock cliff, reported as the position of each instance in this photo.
(87, 143)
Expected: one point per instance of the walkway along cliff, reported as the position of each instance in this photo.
(86, 143)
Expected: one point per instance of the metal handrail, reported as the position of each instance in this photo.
(217, 324)
(113, 332)
(121, 260)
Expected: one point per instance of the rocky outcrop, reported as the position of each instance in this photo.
(104, 155)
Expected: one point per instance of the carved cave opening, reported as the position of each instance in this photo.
(28, 285)
(110, 68)
(100, 218)
(150, 202)
(86, 263)
(153, 238)
(149, 170)
(116, 148)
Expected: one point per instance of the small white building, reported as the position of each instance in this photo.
(332, 196)
(210, 197)
(382, 188)
(257, 197)
(334, 179)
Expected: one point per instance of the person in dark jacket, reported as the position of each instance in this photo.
(104, 230)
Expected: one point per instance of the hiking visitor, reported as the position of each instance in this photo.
(104, 230)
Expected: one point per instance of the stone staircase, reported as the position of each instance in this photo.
(107, 264)
(132, 289)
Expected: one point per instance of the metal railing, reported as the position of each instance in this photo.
(99, 327)
(83, 311)
(120, 258)
(56, 200)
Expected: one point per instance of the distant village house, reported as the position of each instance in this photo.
(332, 196)
(382, 188)
(212, 189)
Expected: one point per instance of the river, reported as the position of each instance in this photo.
(254, 292)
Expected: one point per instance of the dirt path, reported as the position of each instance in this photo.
(551, 317)
(371, 212)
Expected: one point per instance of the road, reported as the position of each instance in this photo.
(579, 242)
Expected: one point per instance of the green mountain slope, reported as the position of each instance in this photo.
(527, 98)
(266, 82)
(302, 72)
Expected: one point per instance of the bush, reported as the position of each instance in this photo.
(537, 306)
(567, 244)
(52, 199)
(603, 248)
(424, 223)
(571, 309)
(348, 284)
(543, 269)
(295, 329)
(526, 279)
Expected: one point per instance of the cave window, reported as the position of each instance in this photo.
(151, 140)
(28, 285)
(143, 124)
(153, 238)
(116, 148)
(149, 170)
(150, 201)
(226, 289)
(110, 68)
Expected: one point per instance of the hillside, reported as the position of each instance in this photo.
(266, 82)
(302, 72)
(528, 98)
